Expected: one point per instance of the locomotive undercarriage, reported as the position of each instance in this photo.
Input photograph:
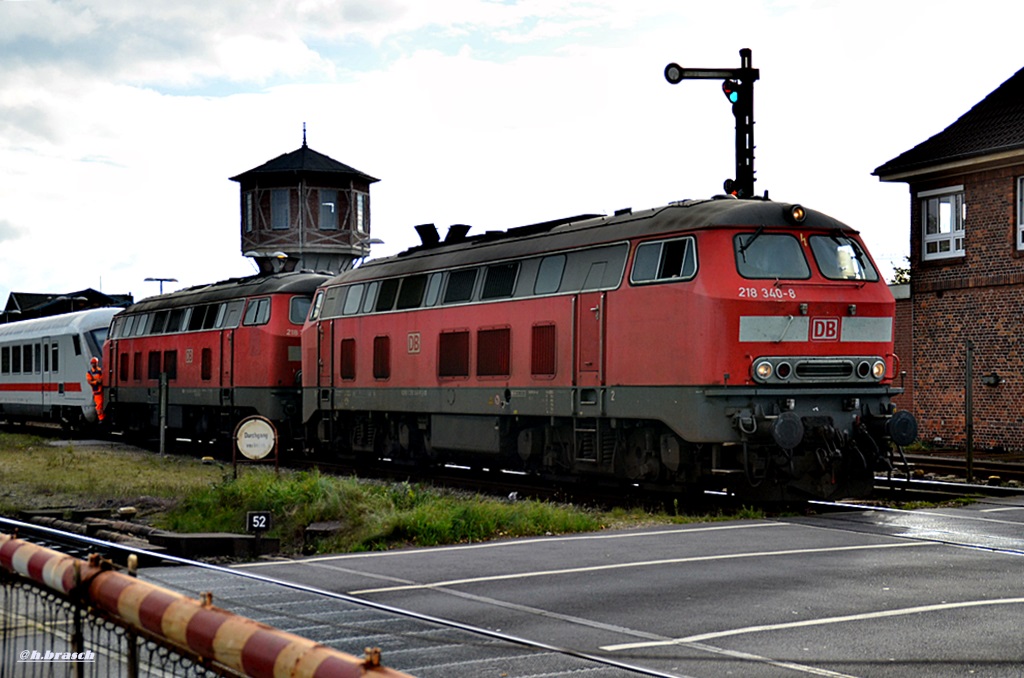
(765, 445)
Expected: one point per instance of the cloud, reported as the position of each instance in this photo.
(9, 231)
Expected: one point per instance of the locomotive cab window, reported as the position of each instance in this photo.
(298, 307)
(841, 258)
(774, 256)
(668, 260)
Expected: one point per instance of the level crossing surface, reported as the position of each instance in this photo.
(860, 592)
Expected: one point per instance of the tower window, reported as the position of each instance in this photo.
(280, 209)
(328, 210)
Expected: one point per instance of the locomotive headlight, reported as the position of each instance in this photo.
(878, 369)
(763, 370)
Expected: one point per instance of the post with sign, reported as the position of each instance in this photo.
(256, 441)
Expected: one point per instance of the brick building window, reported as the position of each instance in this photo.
(943, 213)
(1020, 213)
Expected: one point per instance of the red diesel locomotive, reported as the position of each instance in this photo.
(723, 343)
(228, 350)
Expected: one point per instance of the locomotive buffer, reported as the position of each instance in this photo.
(738, 86)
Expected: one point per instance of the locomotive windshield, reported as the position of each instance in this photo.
(840, 258)
(770, 256)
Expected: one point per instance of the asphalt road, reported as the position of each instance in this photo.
(860, 593)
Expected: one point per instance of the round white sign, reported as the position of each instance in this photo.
(255, 437)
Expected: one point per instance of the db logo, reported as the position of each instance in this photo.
(825, 329)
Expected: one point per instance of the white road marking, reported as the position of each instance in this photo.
(922, 609)
(512, 543)
(999, 510)
(645, 563)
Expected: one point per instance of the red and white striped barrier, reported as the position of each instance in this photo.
(194, 627)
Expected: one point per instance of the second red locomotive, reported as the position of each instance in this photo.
(228, 350)
(743, 344)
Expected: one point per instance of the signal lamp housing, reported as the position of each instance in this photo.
(795, 214)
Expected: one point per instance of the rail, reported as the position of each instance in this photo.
(63, 616)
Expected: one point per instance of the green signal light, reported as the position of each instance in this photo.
(731, 88)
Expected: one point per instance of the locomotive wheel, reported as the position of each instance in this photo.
(636, 458)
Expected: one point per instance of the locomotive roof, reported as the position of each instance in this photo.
(588, 230)
(298, 282)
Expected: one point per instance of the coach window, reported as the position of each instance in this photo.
(54, 357)
(5, 360)
(943, 213)
(549, 276)
(500, 281)
(258, 312)
(762, 256)
(15, 359)
(353, 300)
(460, 286)
(664, 261)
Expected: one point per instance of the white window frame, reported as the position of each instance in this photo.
(948, 243)
(1020, 213)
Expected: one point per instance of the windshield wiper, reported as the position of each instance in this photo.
(746, 245)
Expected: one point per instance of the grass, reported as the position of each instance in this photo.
(182, 494)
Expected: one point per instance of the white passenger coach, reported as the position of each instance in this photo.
(43, 363)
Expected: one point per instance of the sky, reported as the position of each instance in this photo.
(122, 121)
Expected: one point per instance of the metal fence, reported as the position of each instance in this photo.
(61, 616)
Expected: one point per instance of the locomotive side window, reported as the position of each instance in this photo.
(353, 299)
(137, 366)
(493, 351)
(387, 294)
(411, 294)
(206, 364)
(195, 321)
(174, 322)
(298, 307)
(348, 359)
(258, 312)
(460, 286)
(593, 269)
(543, 351)
(549, 276)
(453, 354)
(159, 323)
(382, 357)
(770, 256)
(171, 364)
(154, 365)
(840, 258)
(371, 296)
(229, 314)
(668, 260)
(433, 289)
(500, 281)
(318, 302)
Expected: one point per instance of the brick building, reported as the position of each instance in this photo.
(966, 274)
